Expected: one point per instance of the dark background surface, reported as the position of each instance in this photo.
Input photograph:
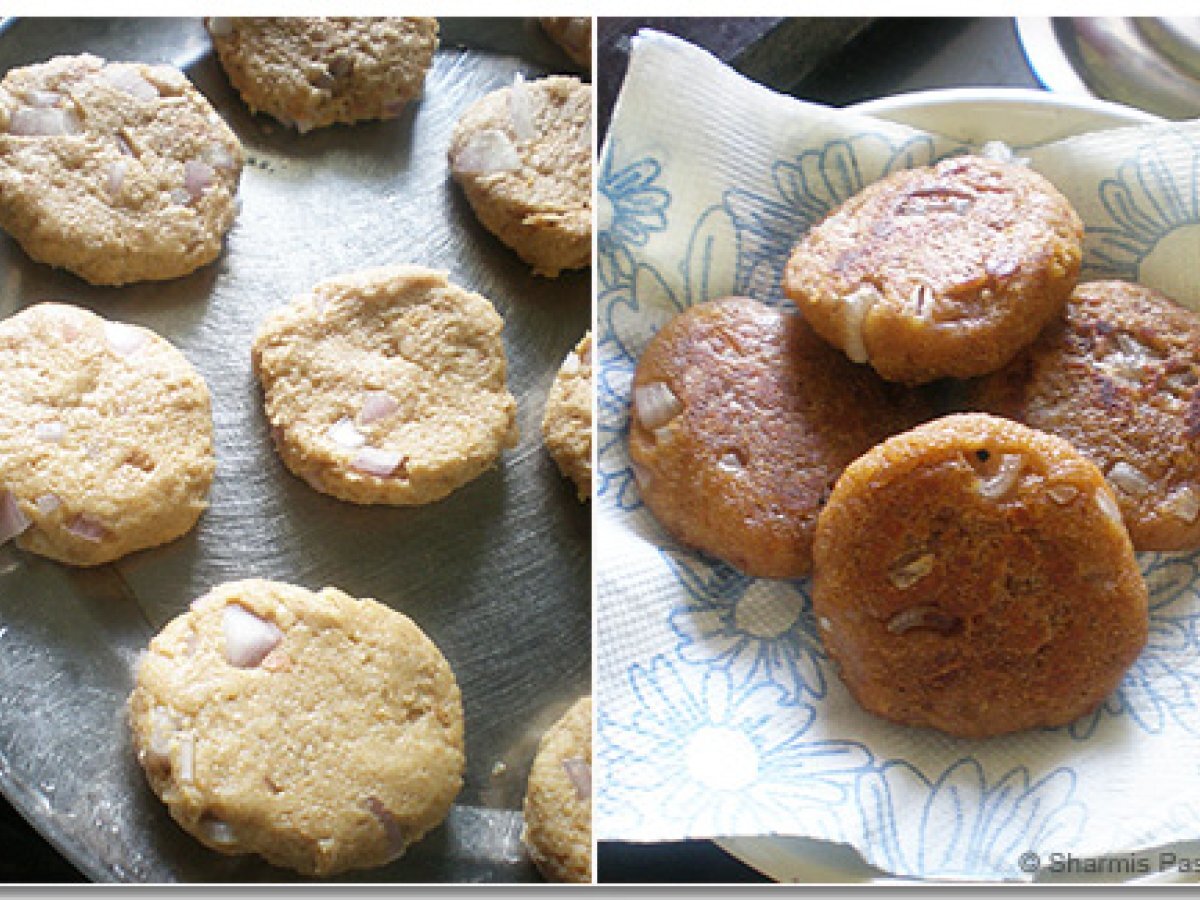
(839, 61)
(844, 61)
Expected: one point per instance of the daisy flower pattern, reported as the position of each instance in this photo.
(716, 757)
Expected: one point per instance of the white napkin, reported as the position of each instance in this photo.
(719, 712)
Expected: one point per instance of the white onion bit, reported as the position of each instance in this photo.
(1183, 504)
(1129, 479)
(123, 146)
(186, 742)
(1002, 482)
(1062, 494)
(116, 177)
(218, 156)
(910, 569)
(84, 526)
(218, 831)
(486, 152)
(580, 773)
(655, 404)
(248, 639)
(128, 79)
(51, 432)
(520, 110)
(43, 122)
(376, 461)
(1108, 506)
(858, 306)
(47, 503)
(12, 520)
(923, 615)
(376, 405)
(42, 98)
(123, 340)
(344, 433)
(162, 729)
(198, 177)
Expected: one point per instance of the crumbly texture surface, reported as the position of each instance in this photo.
(1117, 377)
(386, 385)
(742, 420)
(117, 172)
(523, 156)
(336, 750)
(558, 801)
(313, 72)
(973, 575)
(573, 34)
(105, 435)
(942, 271)
(567, 421)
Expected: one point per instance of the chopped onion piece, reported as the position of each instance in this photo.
(198, 177)
(128, 79)
(1108, 506)
(923, 615)
(396, 839)
(123, 340)
(42, 98)
(376, 405)
(13, 521)
(520, 110)
(51, 432)
(47, 503)
(248, 639)
(1002, 482)
(344, 433)
(376, 461)
(84, 526)
(580, 773)
(43, 122)
(123, 146)
(910, 569)
(220, 26)
(218, 831)
(486, 152)
(858, 306)
(218, 156)
(1129, 479)
(186, 742)
(116, 177)
(655, 404)
(162, 729)
(729, 462)
(1062, 494)
(1183, 504)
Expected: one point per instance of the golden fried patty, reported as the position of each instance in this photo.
(1117, 378)
(941, 271)
(973, 575)
(742, 420)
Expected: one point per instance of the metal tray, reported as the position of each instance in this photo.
(498, 574)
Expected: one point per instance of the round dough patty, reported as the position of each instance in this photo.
(105, 436)
(321, 732)
(387, 385)
(973, 575)
(567, 421)
(942, 271)
(558, 800)
(742, 419)
(118, 172)
(523, 156)
(313, 72)
(1118, 379)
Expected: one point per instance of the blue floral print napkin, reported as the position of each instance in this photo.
(720, 714)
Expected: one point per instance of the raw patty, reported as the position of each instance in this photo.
(558, 800)
(105, 436)
(973, 575)
(742, 419)
(523, 156)
(1118, 379)
(386, 385)
(321, 732)
(567, 421)
(313, 72)
(941, 271)
(118, 172)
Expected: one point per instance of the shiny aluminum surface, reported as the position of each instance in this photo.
(498, 574)
(1149, 63)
